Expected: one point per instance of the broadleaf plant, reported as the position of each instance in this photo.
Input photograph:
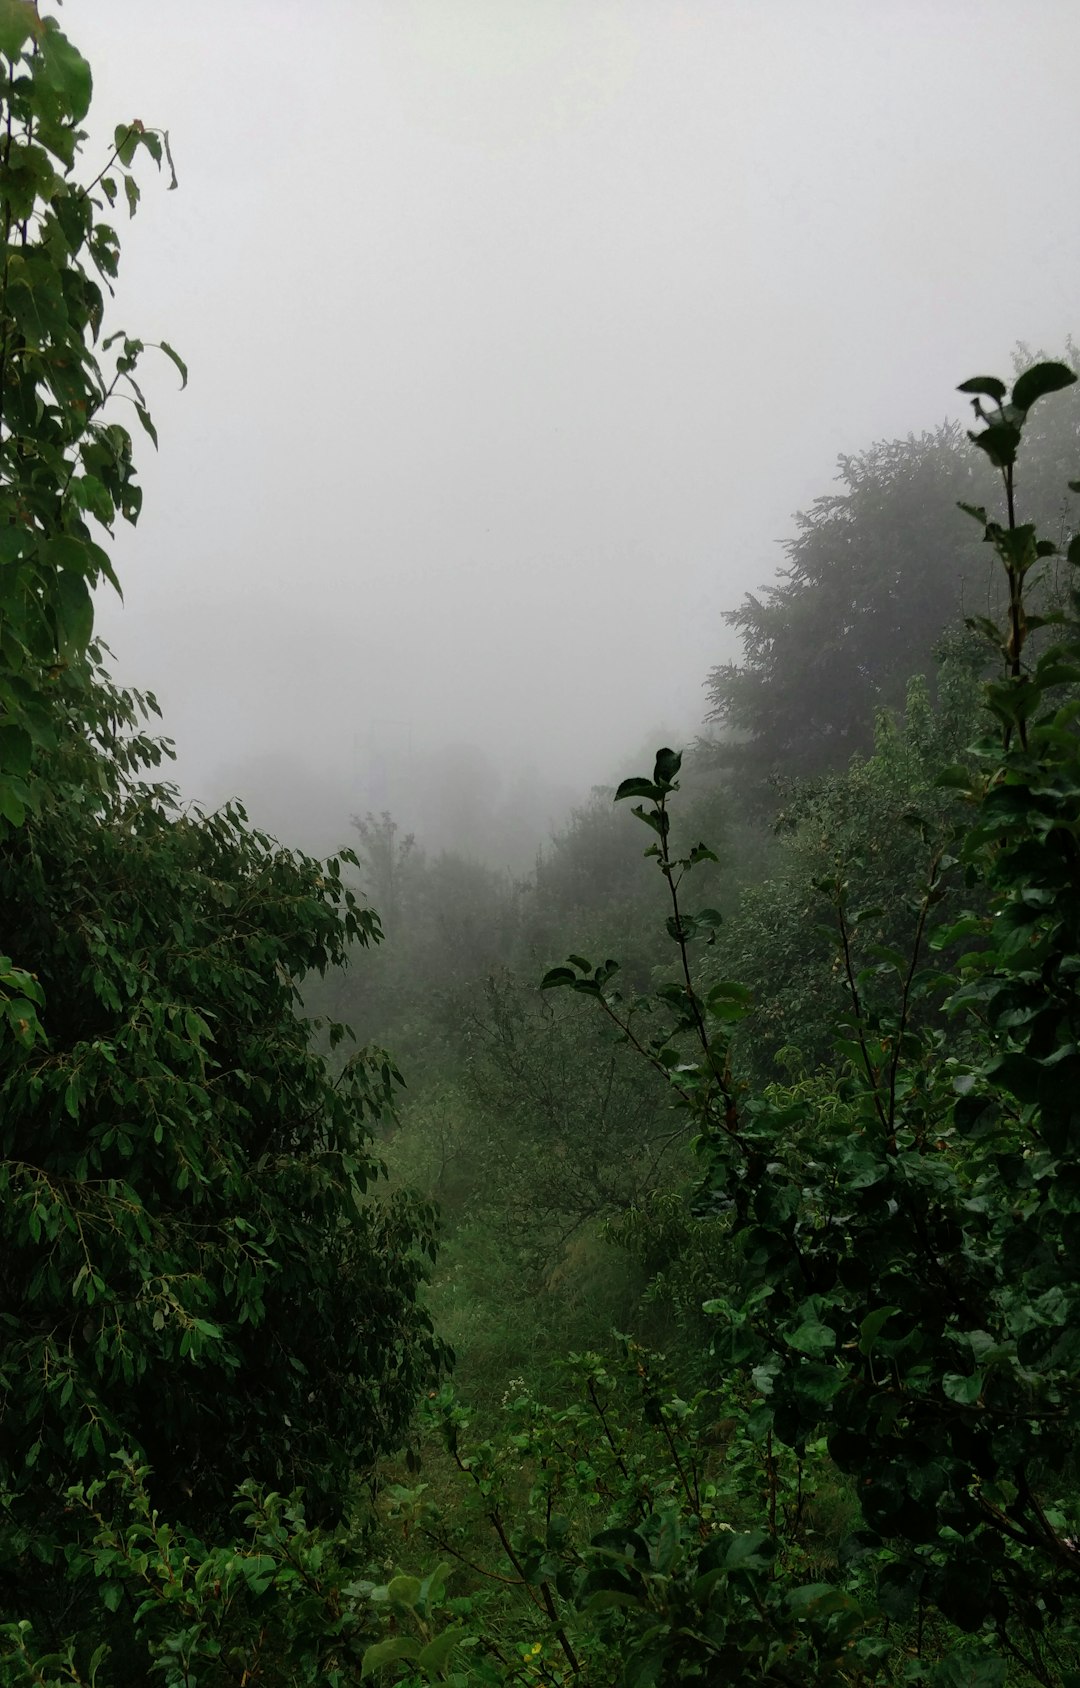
(199, 1282)
(905, 1266)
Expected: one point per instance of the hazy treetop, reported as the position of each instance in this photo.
(518, 330)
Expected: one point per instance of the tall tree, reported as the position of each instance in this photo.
(194, 1268)
(903, 1275)
(876, 572)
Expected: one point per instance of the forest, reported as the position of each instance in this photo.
(662, 1267)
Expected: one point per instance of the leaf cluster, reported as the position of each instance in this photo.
(904, 1279)
(195, 1269)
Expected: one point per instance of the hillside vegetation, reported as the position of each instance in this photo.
(705, 1307)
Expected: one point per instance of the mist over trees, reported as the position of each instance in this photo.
(876, 572)
(641, 1249)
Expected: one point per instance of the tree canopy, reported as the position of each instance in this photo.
(876, 574)
(196, 1270)
(849, 1196)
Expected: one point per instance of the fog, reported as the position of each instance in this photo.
(517, 331)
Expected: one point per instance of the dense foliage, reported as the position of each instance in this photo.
(185, 1188)
(874, 575)
(195, 1271)
(817, 1140)
(903, 1270)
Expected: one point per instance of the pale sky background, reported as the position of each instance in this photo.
(517, 331)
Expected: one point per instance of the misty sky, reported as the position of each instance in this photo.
(518, 328)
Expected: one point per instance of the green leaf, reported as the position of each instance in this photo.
(1035, 383)
(969, 1670)
(433, 1586)
(622, 1541)
(872, 1327)
(91, 495)
(729, 1001)
(753, 1551)
(999, 442)
(558, 976)
(18, 21)
(177, 360)
(75, 611)
(975, 510)
(668, 763)
(435, 1656)
(65, 70)
(144, 417)
(385, 1652)
(258, 1571)
(16, 750)
(644, 1666)
(126, 138)
(955, 778)
(987, 385)
(64, 551)
(658, 820)
(811, 1595)
(403, 1590)
(639, 788)
(12, 800)
(965, 1390)
(812, 1337)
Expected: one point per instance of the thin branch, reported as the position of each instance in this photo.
(860, 1023)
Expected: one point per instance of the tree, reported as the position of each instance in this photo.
(590, 886)
(185, 1185)
(874, 826)
(876, 573)
(384, 862)
(64, 463)
(566, 1130)
(195, 1270)
(903, 1276)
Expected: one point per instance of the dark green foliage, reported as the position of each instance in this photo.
(904, 1268)
(638, 1536)
(589, 886)
(267, 1601)
(184, 1188)
(875, 575)
(870, 1274)
(279, 1602)
(587, 1136)
(549, 1131)
(873, 829)
(65, 465)
(195, 1270)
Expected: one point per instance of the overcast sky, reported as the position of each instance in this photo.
(519, 328)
